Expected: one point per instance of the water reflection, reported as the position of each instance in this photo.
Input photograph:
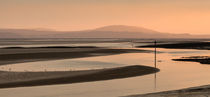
(155, 81)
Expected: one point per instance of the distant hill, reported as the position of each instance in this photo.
(123, 28)
(113, 31)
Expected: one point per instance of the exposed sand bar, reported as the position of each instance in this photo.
(20, 79)
(200, 59)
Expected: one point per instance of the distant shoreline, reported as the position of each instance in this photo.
(185, 45)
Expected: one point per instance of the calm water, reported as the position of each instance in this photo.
(59, 65)
(173, 75)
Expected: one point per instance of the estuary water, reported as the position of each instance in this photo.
(173, 75)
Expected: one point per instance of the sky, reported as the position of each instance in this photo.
(172, 16)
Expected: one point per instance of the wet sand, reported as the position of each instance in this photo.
(22, 79)
(201, 91)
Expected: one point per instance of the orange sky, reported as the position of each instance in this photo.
(174, 16)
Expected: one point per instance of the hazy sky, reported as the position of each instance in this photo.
(174, 16)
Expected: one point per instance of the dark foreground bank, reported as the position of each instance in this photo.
(201, 91)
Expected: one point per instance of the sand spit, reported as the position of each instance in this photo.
(200, 59)
(22, 79)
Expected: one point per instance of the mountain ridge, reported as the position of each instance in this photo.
(111, 31)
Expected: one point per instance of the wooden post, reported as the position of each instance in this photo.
(155, 55)
(155, 63)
